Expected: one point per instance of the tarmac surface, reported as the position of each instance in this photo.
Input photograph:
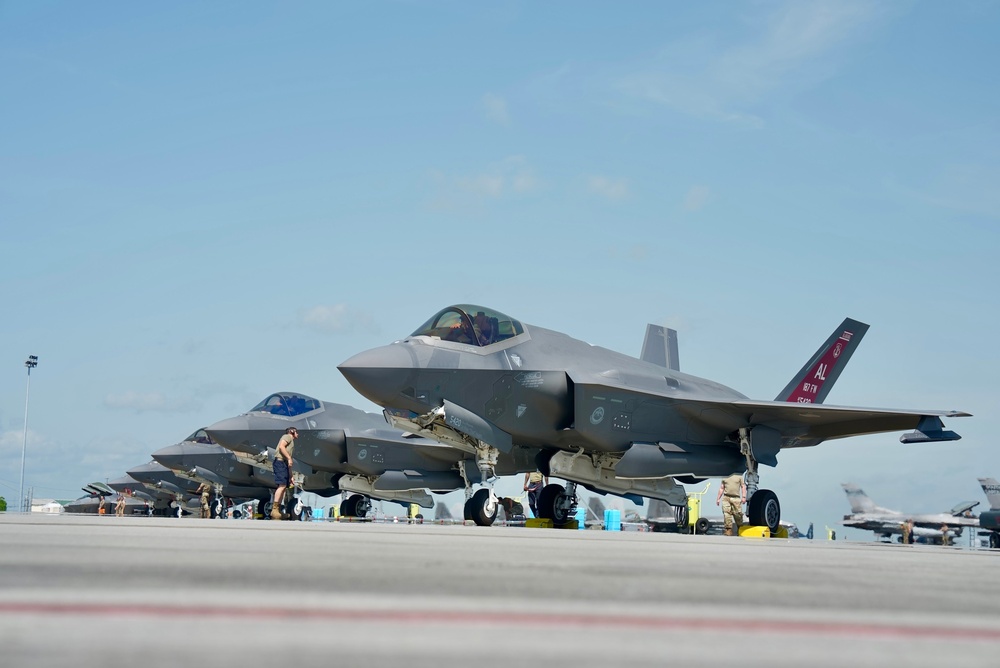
(107, 591)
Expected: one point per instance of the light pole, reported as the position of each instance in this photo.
(31, 363)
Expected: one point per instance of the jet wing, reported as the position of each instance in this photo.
(809, 424)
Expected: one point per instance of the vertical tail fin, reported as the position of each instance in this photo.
(860, 503)
(815, 380)
(991, 488)
(660, 347)
(809, 534)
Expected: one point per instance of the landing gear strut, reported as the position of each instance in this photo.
(482, 506)
(763, 508)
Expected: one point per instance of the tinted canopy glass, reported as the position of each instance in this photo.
(286, 403)
(199, 437)
(472, 325)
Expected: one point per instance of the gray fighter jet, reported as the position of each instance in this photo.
(173, 495)
(927, 527)
(989, 520)
(199, 459)
(357, 451)
(486, 383)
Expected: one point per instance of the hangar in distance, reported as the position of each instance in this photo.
(484, 382)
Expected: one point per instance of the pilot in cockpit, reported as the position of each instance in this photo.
(462, 332)
(484, 328)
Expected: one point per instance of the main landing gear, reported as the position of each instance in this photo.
(763, 508)
(558, 503)
(356, 505)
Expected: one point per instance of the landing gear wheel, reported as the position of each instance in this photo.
(994, 540)
(467, 510)
(268, 507)
(764, 510)
(216, 510)
(482, 508)
(701, 526)
(552, 506)
(356, 506)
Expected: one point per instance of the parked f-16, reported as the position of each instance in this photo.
(927, 527)
(989, 520)
(486, 383)
(356, 450)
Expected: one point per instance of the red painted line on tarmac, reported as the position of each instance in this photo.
(469, 618)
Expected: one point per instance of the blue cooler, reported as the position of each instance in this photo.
(581, 517)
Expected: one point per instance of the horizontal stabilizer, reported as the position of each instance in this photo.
(929, 430)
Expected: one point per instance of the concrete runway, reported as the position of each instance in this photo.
(148, 592)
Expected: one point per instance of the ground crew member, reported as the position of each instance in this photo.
(533, 483)
(100, 506)
(732, 494)
(120, 506)
(906, 533)
(944, 534)
(205, 490)
(282, 467)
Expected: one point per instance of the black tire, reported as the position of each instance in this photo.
(268, 507)
(549, 506)
(363, 506)
(764, 510)
(467, 509)
(482, 515)
(356, 506)
(701, 526)
(305, 514)
(994, 540)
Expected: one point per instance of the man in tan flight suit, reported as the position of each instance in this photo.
(732, 495)
(205, 490)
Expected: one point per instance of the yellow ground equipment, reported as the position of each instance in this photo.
(697, 523)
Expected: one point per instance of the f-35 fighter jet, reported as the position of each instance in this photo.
(358, 452)
(486, 383)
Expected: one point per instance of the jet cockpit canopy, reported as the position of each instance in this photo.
(470, 324)
(286, 403)
(200, 436)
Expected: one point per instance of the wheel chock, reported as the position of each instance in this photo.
(538, 523)
(572, 524)
(747, 531)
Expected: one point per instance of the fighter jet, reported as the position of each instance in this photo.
(357, 451)
(990, 519)
(199, 459)
(173, 495)
(886, 523)
(486, 383)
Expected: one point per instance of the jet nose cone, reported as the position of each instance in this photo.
(380, 374)
(232, 434)
(171, 456)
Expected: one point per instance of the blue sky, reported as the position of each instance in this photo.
(204, 203)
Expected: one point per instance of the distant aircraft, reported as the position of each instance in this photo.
(887, 523)
(356, 452)
(173, 495)
(990, 519)
(481, 381)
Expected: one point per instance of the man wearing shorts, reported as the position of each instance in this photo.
(282, 467)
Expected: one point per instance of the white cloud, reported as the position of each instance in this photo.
(496, 109)
(510, 177)
(796, 45)
(155, 402)
(696, 198)
(610, 188)
(335, 319)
